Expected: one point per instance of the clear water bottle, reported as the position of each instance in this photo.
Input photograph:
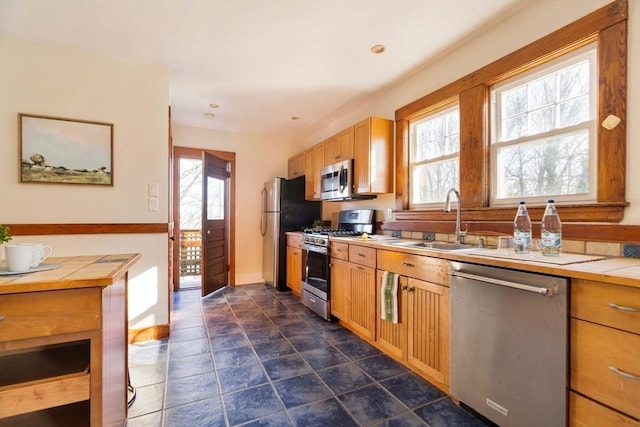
(551, 231)
(522, 230)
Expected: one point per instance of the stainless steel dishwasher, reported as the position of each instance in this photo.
(509, 345)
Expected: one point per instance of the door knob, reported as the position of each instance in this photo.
(208, 232)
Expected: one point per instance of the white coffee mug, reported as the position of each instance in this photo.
(40, 252)
(19, 257)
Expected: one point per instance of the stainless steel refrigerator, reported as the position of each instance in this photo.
(283, 209)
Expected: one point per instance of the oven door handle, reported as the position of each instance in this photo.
(314, 248)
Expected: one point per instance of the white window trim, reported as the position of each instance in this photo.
(589, 51)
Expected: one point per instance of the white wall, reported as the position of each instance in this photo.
(55, 81)
(258, 159)
(534, 21)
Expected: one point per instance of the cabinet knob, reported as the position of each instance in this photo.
(410, 289)
(1, 317)
(408, 264)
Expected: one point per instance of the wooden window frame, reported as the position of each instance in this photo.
(608, 27)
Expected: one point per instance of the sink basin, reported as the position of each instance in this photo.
(439, 246)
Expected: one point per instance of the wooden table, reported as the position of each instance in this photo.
(63, 343)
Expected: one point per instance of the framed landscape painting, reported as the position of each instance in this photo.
(65, 151)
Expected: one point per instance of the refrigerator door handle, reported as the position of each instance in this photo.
(263, 214)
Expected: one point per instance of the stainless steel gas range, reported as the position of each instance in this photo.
(316, 276)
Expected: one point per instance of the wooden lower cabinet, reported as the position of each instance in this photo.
(63, 357)
(362, 300)
(584, 412)
(353, 289)
(340, 280)
(294, 270)
(604, 354)
(421, 337)
(294, 264)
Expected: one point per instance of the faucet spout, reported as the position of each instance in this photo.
(447, 208)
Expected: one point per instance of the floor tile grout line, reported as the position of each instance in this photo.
(264, 309)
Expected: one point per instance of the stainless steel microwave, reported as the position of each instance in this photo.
(336, 182)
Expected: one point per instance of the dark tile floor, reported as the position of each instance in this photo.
(253, 356)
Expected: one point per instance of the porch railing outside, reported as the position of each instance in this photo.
(190, 250)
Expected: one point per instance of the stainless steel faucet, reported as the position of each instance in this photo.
(447, 208)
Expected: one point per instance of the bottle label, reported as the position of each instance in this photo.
(551, 240)
(521, 242)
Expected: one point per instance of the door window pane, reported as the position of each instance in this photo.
(215, 198)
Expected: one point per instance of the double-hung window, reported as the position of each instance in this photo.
(434, 146)
(543, 132)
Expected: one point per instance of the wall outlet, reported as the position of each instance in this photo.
(631, 251)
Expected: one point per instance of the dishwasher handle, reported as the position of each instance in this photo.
(547, 292)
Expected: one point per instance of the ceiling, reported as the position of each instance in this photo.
(261, 61)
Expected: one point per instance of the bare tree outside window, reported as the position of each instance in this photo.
(434, 155)
(190, 194)
(543, 144)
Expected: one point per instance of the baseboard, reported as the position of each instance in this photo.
(151, 333)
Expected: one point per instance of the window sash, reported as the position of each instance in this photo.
(499, 142)
(445, 155)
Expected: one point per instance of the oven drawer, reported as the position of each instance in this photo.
(315, 303)
(362, 255)
(339, 250)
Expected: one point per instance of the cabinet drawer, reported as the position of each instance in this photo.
(595, 350)
(605, 304)
(432, 270)
(339, 250)
(39, 314)
(587, 413)
(294, 240)
(362, 255)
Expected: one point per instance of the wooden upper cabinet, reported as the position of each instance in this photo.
(296, 166)
(373, 156)
(339, 147)
(314, 162)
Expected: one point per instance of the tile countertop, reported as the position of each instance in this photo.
(70, 272)
(621, 271)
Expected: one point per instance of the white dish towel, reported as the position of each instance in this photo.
(389, 297)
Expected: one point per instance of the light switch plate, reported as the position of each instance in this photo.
(154, 189)
(153, 204)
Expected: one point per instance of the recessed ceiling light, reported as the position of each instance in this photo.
(378, 49)
(295, 118)
(213, 105)
(209, 115)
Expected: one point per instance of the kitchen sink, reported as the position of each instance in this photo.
(438, 246)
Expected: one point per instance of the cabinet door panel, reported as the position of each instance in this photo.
(340, 278)
(428, 338)
(362, 300)
(392, 337)
(294, 269)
